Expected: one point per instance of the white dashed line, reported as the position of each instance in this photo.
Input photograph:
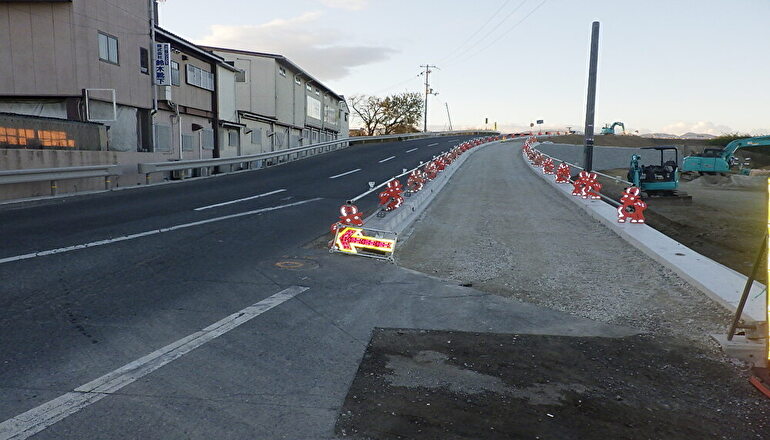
(146, 234)
(387, 159)
(346, 173)
(413, 149)
(37, 419)
(240, 200)
(433, 144)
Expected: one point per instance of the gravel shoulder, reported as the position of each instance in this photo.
(500, 228)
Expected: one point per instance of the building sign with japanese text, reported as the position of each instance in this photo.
(162, 65)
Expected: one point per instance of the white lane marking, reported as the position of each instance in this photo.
(240, 200)
(346, 173)
(39, 418)
(433, 144)
(413, 149)
(387, 159)
(148, 233)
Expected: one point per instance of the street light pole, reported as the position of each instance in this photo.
(588, 149)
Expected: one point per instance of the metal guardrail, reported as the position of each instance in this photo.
(282, 156)
(53, 175)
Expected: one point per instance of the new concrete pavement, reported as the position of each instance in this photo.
(106, 341)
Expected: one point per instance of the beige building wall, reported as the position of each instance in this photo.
(186, 94)
(52, 49)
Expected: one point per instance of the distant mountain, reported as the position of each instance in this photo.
(691, 135)
(660, 136)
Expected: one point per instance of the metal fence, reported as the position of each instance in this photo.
(229, 164)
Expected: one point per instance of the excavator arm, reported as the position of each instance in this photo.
(708, 162)
(737, 144)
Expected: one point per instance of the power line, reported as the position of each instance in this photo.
(411, 78)
(479, 29)
(508, 30)
(468, 49)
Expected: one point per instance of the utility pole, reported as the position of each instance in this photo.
(428, 91)
(447, 116)
(588, 149)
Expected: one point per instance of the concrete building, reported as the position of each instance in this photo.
(280, 105)
(64, 59)
(188, 121)
(79, 75)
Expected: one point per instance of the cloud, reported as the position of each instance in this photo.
(706, 127)
(316, 50)
(351, 5)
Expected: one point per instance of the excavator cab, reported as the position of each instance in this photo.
(656, 178)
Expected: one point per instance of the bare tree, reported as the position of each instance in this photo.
(369, 109)
(397, 113)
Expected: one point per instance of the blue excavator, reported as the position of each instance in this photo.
(610, 129)
(720, 160)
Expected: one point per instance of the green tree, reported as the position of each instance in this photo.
(400, 111)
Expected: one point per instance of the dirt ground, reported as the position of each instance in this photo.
(724, 222)
(417, 384)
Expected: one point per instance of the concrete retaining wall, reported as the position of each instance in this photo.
(17, 159)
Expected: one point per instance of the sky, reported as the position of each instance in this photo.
(670, 66)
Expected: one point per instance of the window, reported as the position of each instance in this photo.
(144, 60)
(199, 77)
(330, 114)
(174, 73)
(256, 136)
(208, 139)
(307, 86)
(187, 142)
(282, 71)
(108, 48)
(232, 138)
(162, 138)
(297, 81)
(317, 92)
(240, 76)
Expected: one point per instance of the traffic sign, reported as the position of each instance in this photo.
(365, 242)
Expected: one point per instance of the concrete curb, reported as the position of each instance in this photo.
(718, 282)
(399, 220)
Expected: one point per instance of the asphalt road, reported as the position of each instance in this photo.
(81, 330)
